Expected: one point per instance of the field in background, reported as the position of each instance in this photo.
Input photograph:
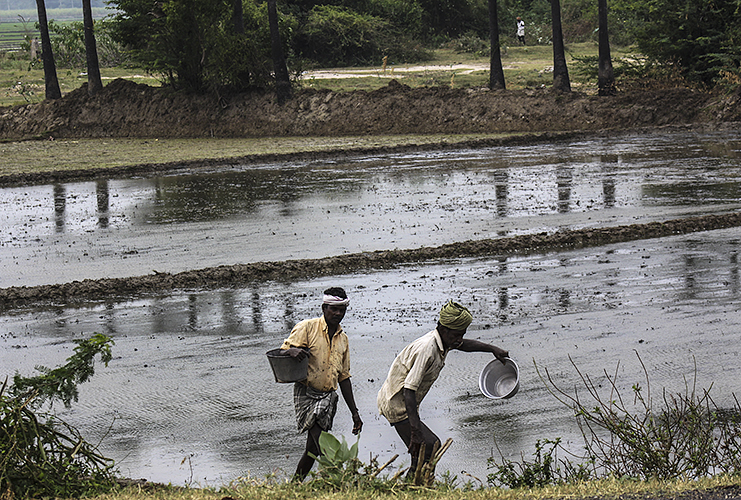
(22, 81)
(17, 26)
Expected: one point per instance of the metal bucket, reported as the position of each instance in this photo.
(500, 381)
(287, 369)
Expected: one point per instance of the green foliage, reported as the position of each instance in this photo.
(699, 38)
(335, 453)
(68, 44)
(193, 44)
(470, 43)
(338, 463)
(544, 470)
(41, 456)
(338, 36)
(404, 15)
(340, 469)
(687, 436)
(61, 382)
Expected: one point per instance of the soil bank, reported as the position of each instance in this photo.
(127, 109)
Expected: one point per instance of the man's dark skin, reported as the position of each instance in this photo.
(412, 430)
(333, 314)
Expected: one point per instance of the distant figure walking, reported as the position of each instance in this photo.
(521, 30)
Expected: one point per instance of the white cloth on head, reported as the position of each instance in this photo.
(333, 300)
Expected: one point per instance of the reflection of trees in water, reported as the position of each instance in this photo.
(609, 165)
(734, 274)
(256, 306)
(564, 179)
(692, 191)
(60, 205)
(214, 196)
(501, 191)
(103, 198)
(193, 311)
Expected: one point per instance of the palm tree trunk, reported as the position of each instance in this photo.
(282, 82)
(94, 83)
(496, 72)
(238, 17)
(605, 74)
(50, 69)
(560, 71)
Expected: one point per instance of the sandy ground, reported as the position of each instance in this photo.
(393, 71)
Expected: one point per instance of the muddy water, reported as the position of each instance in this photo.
(131, 227)
(189, 398)
(189, 380)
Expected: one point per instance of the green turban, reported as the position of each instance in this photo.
(455, 316)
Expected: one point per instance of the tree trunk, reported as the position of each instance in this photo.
(605, 74)
(238, 17)
(560, 71)
(282, 82)
(50, 69)
(496, 72)
(94, 83)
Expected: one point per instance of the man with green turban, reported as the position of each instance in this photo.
(417, 367)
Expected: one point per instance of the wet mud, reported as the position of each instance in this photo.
(242, 274)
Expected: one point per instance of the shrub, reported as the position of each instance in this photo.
(41, 455)
(684, 436)
(544, 470)
(470, 43)
(338, 36)
(68, 45)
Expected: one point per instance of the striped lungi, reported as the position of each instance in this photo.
(314, 407)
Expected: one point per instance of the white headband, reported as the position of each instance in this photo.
(333, 300)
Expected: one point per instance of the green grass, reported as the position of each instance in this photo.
(524, 67)
(263, 490)
(22, 82)
(64, 155)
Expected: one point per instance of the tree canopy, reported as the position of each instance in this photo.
(194, 45)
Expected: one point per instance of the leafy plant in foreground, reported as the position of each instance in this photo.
(687, 436)
(41, 456)
(544, 470)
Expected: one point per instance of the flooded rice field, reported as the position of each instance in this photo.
(132, 227)
(189, 397)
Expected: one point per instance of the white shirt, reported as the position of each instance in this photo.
(415, 368)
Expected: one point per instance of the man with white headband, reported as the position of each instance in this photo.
(315, 399)
(414, 371)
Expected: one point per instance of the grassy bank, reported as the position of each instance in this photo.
(609, 488)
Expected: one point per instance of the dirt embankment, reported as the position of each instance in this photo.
(242, 274)
(127, 109)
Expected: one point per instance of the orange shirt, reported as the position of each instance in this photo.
(329, 362)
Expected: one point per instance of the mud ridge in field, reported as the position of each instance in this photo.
(241, 274)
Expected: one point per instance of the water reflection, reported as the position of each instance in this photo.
(103, 198)
(189, 378)
(60, 204)
(114, 228)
